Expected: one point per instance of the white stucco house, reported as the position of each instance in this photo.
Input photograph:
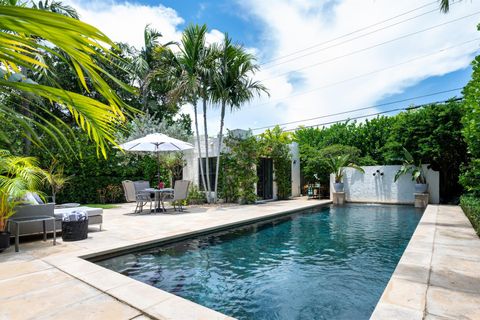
(266, 187)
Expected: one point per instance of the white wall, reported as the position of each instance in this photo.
(296, 188)
(366, 187)
(190, 171)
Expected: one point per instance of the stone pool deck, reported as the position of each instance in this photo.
(438, 276)
(54, 282)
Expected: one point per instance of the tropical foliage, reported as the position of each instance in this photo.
(471, 130)
(432, 134)
(275, 145)
(238, 175)
(411, 166)
(471, 207)
(336, 165)
(55, 178)
(18, 175)
(27, 36)
(232, 84)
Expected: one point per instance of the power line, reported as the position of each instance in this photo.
(372, 47)
(359, 109)
(368, 73)
(378, 113)
(350, 33)
(348, 40)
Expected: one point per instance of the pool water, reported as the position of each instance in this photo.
(326, 263)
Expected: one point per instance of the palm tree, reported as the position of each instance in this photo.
(55, 178)
(77, 43)
(56, 7)
(233, 85)
(147, 63)
(206, 78)
(191, 61)
(18, 175)
(444, 5)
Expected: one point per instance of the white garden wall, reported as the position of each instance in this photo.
(366, 187)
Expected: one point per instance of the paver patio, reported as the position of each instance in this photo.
(54, 282)
(437, 277)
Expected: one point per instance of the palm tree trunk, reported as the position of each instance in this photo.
(198, 143)
(207, 166)
(219, 149)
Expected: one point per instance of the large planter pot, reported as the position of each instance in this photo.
(4, 240)
(338, 186)
(421, 187)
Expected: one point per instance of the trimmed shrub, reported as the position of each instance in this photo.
(471, 207)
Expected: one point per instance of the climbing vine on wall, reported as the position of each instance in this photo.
(238, 176)
(275, 145)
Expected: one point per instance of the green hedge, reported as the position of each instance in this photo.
(471, 207)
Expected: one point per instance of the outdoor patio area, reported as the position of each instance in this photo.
(50, 279)
(53, 282)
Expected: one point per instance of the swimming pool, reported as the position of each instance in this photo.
(325, 263)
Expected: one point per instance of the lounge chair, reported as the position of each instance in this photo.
(180, 193)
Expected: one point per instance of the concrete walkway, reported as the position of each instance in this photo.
(53, 282)
(438, 276)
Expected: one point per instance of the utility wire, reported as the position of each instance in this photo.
(359, 109)
(368, 73)
(269, 66)
(371, 47)
(350, 33)
(378, 113)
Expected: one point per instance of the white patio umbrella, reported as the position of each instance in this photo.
(156, 142)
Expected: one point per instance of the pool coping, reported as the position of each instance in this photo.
(437, 276)
(150, 301)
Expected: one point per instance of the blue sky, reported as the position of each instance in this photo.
(315, 84)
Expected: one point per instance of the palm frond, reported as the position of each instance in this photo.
(27, 32)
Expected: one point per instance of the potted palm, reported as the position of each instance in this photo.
(416, 169)
(18, 175)
(336, 166)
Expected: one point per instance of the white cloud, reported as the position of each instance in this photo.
(293, 25)
(125, 21)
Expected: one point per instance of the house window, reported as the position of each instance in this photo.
(212, 162)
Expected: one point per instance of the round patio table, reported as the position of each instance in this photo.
(160, 195)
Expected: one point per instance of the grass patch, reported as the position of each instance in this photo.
(102, 205)
(471, 207)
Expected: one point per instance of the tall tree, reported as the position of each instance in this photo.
(147, 65)
(232, 84)
(191, 62)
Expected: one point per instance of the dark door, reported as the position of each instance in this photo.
(265, 178)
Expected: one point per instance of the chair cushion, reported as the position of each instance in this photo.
(31, 199)
(90, 211)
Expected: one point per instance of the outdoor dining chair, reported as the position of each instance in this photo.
(180, 193)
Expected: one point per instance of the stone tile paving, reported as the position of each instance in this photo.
(51, 282)
(438, 276)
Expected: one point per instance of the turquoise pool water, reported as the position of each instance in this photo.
(327, 263)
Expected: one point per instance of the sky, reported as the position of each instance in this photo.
(317, 57)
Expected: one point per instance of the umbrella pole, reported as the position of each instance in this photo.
(158, 167)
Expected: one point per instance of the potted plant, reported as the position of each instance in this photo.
(18, 175)
(336, 166)
(416, 169)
